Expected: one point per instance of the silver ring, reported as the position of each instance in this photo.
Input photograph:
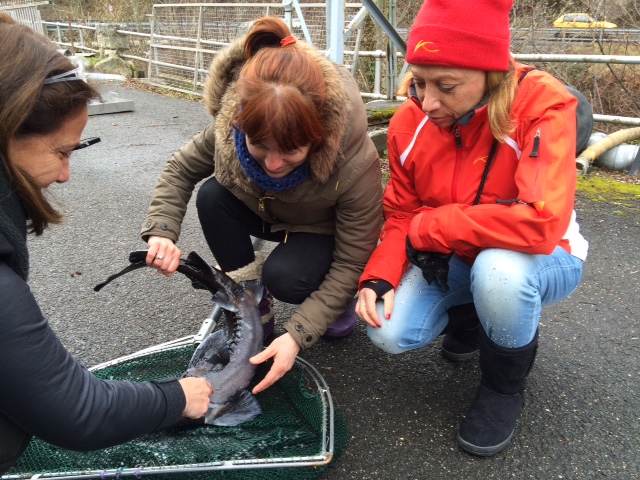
(159, 257)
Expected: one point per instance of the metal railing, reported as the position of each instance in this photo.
(184, 38)
(26, 13)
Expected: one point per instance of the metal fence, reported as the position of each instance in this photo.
(181, 40)
(25, 13)
(185, 38)
(556, 40)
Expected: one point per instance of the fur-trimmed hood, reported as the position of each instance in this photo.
(222, 101)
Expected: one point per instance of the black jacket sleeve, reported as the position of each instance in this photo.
(51, 395)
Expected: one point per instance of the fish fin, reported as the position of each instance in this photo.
(220, 298)
(201, 274)
(213, 350)
(243, 407)
(198, 285)
(254, 287)
(195, 260)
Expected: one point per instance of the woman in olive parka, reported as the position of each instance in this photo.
(287, 159)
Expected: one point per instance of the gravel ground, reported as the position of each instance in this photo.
(582, 417)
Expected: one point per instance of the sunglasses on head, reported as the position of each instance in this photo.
(87, 142)
(413, 95)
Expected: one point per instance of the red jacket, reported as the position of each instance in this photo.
(528, 198)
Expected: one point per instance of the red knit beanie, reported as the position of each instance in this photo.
(461, 33)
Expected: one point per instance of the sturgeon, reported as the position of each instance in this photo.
(223, 357)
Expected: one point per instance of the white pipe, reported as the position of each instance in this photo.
(105, 76)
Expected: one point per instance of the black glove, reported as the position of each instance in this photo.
(434, 265)
(379, 286)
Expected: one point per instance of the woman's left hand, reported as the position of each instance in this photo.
(367, 310)
(283, 350)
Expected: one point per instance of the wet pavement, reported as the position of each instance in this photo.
(582, 415)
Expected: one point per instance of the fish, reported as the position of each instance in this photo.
(223, 356)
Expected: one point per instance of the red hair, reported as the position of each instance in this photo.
(282, 89)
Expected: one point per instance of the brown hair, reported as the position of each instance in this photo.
(282, 89)
(30, 108)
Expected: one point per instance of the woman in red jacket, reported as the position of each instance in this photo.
(479, 209)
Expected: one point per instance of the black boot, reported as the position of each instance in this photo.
(460, 340)
(490, 423)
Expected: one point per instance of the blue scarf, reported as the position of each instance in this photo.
(255, 172)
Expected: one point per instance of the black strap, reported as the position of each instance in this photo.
(485, 174)
(494, 147)
(525, 73)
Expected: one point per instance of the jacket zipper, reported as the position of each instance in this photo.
(536, 145)
(458, 137)
(262, 207)
(534, 154)
(261, 203)
(454, 184)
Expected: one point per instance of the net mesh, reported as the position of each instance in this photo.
(290, 426)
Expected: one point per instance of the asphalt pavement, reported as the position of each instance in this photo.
(582, 414)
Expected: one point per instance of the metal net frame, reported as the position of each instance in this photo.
(298, 428)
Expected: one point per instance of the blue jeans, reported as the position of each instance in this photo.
(508, 288)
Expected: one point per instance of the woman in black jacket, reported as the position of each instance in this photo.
(44, 391)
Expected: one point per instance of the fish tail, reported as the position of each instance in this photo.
(241, 407)
(130, 268)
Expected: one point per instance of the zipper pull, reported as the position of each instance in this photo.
(456, 134)
(536, 145)
(262, 204)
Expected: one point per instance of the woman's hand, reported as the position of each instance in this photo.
(284, 350)
(197, 392)
(366, 306)
(163, 255)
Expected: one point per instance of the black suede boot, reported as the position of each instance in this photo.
(460, 340)
(490, 423)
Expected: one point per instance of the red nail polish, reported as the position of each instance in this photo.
(388, 316)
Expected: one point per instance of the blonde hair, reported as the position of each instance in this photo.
(405, 83)
(501, 88)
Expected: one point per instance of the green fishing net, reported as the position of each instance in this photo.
(293, 432)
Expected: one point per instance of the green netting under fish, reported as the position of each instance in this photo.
(295, 437)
